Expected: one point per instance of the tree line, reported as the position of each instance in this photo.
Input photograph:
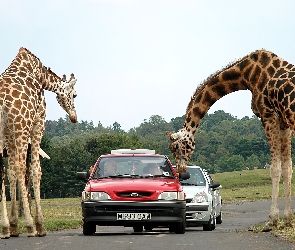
(224, 143)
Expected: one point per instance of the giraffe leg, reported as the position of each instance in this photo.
(21, 172)
(36, 178)
(5, 234)
(36, 173)
(272, 131)
(287, 174)
(275, 173)
(13, 219)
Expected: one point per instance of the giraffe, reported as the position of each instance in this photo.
(272, 84)
(22, 121)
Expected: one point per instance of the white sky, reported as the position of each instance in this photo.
(138, 58)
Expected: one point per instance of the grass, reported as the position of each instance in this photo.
(59, 214)
(65, 213)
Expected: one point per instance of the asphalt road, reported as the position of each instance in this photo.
(231, 234)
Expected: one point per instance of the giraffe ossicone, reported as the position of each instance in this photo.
(22, 121)
(271, 81)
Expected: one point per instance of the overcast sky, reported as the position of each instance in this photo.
(134, 59)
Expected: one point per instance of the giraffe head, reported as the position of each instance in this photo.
(182, 147)
(66, 97)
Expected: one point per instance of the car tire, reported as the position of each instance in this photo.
(180, 227)
(89, 228)
(138, 229)
(210, 225)
(171, 229)
(219, 218)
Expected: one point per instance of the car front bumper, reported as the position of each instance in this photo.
(104, 213)
(198, 213)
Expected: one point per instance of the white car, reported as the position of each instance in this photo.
(203, 200)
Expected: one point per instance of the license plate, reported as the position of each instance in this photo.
(134, 216)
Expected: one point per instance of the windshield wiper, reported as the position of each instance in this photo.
(126, 176)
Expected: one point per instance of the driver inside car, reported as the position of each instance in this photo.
(110, 168)
(152, 169)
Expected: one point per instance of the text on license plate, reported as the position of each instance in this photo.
(134, 216)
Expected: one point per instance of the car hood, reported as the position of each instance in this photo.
(190, 191)
(128, 184)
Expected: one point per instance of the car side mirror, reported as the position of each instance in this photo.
(83, 176)
(214, 185)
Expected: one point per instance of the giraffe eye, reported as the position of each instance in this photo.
(75, 96)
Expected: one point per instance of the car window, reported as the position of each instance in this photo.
(196, 177)
(141, 166)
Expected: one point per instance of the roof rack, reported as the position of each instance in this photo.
(133, 151)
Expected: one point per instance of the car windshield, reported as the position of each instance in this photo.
(196, 178)
(133, 167)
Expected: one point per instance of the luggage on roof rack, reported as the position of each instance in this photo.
(133, 151)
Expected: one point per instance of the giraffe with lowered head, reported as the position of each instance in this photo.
(271, 81)
(22, 121)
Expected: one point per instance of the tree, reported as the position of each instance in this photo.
(253, 161)
(232, 163)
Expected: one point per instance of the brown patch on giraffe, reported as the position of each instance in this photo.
(285, 63)
(213, 81)
(290, 66)
(279, 72)
(243, 64)
(231, 75)
(254, 57)
(248, 72)
(198, 112)
(276, 63)
(208, 99)
(188, 119)
(219, 90)
(263, 81)
(265, 59)
(255, 75)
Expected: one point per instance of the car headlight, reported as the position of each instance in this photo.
(200, 197)
(168, 196)
(95, 196)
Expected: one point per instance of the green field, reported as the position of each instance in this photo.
(247, 185)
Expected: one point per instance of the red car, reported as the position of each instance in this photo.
(133, 188)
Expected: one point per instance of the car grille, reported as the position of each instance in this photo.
(132, 209)
(134, 194)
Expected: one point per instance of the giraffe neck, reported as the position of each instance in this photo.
(249, 73)
(31, 70)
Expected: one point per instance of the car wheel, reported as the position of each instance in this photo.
(180, 227)
(89, 228)
(210, 225)
(138, 229)
(219, 218)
